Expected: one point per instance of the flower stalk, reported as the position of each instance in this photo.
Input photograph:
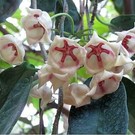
(68, 16)
(59, 110)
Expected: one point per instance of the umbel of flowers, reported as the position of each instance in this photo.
(106, 62)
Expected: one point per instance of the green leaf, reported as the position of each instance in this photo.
(34, 59)
(4, 65)
(46, 5)
(57, 7)
(108, 115)
(83, 73)
(17, 14)
(118, 4)
(7, 8)
(34, 101)
(131, 125)
(11, 26)
(123, 22)
(130, 88)
(98, 26)
(15, 84)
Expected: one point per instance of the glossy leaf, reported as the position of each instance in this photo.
(57, 7)
(108, 115)
(130, 88)
(46, 5)
(15, 84)
(7, 8)
(118, 4)
(123, 22)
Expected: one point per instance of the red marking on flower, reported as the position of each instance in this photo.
(36, 15)
(100, 84)
(37, 25)
(50, 77)
(97, 50)
(13, 48)
(113, 78)
(125, 42)
(67, 50)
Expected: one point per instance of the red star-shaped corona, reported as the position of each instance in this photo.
(97, 50)
(67, 50)
(125, 42)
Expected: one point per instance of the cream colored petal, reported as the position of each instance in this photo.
(11, 50)
(101, 58)
(122, 60)
(43, 92)
(34, 92)
(34, 11)
(121, 35)
(75, 94)
(69, 60)
(104, 83)
(45, 20)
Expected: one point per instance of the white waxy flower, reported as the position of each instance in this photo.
(104, 83)
(66, 54)
(76, 94)
(127, 39)
(42, 92)
(56, 77)
(37, 25)
(124, 63)
(11, 50)
(100, 54)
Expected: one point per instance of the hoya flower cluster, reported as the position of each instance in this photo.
(106, 62)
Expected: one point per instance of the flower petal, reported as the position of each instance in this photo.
(43, 92)
(75, 94)
(104, 83)
(66, 55)
(56, 77)
(127, 39)
(37, 25)
(11, 50)
(100, 54)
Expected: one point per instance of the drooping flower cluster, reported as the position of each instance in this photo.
(106, 62)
